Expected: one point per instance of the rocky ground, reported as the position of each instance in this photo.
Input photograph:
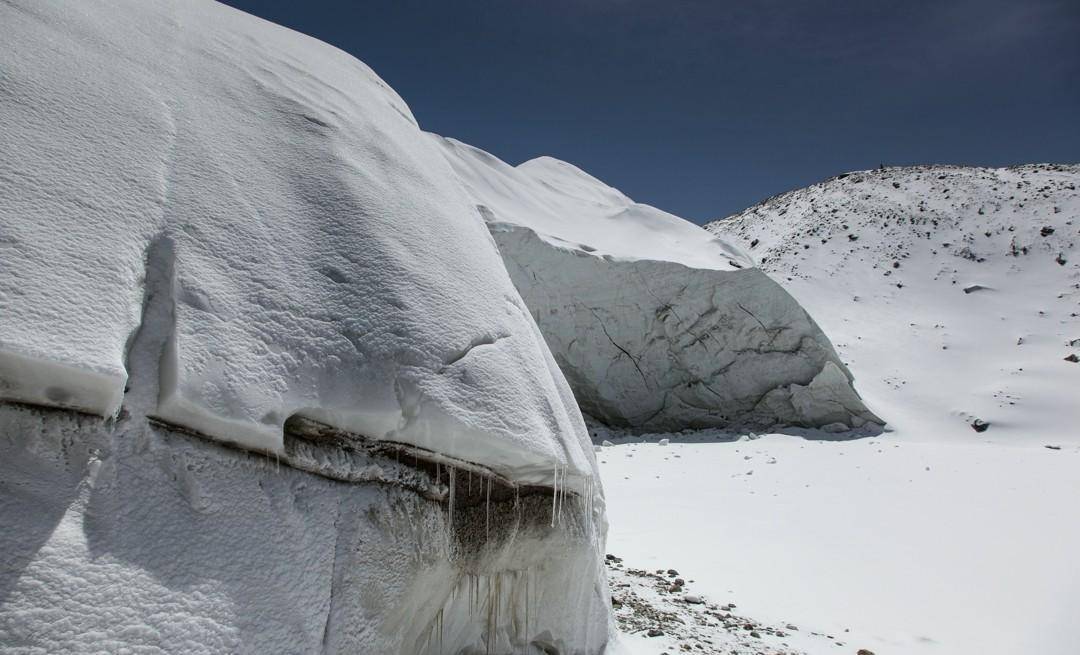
(661, 605)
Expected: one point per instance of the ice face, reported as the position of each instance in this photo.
(657, 324)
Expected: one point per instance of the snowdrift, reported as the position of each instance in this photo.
(265, 383)
(657, 324)
(954, 292)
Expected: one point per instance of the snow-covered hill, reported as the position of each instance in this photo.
(656, 323)
(265, 384)
(952, 293)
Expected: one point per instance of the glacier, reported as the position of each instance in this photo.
(657, 324)
(265, 383)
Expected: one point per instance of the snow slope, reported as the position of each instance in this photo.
(656, 324)
(261, 367)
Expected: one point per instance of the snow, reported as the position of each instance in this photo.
(923, 236)
(569, 208)
(932, 537)
(314, 254)
(656, 324)
(891, 544)
(215, 232)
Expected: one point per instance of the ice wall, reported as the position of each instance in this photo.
(657, 324)
(265, 384)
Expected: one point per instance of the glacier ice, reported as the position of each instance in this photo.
(657, 324)
(314, 252)
(252, 333)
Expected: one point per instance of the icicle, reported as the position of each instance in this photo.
(526, 605)
(487, 514)
(452, 477)
(555, 496)
(439, 620)
(560, 494)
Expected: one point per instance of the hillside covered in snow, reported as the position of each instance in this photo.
(952, 293)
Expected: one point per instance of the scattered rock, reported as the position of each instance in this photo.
(972, 288)
(863, 651)
(755, 634)
(664, 442)
(606, 444)
(1072, 358)
(654, 632)
(1046, 231)
(979, 425)
(693, 600)
(1053, 447)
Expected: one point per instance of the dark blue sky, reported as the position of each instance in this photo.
(704, 107)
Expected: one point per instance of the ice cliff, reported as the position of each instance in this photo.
(657, 324)
(265, 385)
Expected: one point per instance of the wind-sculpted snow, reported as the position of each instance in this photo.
(215, 232)
(313, 252)
(656, 324)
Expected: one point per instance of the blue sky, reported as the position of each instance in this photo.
(704, 108)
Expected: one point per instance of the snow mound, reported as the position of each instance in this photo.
(656, 324)
(262, 214)
(953, 293)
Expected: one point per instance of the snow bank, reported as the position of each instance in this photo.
(656, 324)
(215, 232)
